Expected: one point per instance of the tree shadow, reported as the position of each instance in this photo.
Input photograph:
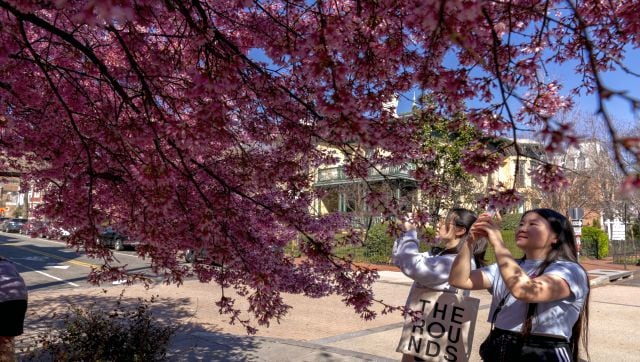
(190, 342)
(196, 345)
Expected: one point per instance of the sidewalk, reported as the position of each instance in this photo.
(605, 271)
(325, 330)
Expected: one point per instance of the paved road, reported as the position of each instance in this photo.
(48, 264)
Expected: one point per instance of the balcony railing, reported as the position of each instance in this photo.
(363, 222)
(336, 175)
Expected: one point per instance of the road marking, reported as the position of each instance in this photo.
(34, 258)
(74, 262)
(59, 266)
(56, 278)
(47, 275)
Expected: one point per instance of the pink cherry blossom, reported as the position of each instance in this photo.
(549, 178)
(499, 197)
(201, 124)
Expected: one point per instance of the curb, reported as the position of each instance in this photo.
(604, 277)
(612, 276)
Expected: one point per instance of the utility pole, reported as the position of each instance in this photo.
(575, 215)
(624, 242)
(26, 204)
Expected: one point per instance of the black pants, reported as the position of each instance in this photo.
(12, 317)
(506, 346)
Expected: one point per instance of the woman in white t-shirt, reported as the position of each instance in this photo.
(539, 310)
(431, 268)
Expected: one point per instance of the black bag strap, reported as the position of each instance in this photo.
(528, 321)
(494, 316)
(527, 325)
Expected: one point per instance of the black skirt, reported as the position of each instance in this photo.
(506, 346)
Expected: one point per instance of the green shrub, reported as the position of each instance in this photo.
(595, 242)
(92, 334)
(510, 221)
(427, 233)
(632, 232)
(508, 236)
(378, 243)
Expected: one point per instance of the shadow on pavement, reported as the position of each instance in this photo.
(196, 345)
(191, 341)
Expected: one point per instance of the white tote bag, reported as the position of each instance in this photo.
(444, 331)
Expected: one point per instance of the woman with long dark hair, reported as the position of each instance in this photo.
(539, 310)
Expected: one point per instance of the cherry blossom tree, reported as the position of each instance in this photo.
(194, 124)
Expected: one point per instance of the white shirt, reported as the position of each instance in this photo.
(554, 318)
(425, 268)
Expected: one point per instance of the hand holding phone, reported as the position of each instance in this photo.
(408, 222)
(495, 215)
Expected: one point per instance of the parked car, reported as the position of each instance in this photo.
(193, 256)
(44, 229)
(34, 228)
(112, 238)
(12, 225)
(59, 233)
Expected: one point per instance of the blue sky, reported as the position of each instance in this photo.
(619, 109)
(586, 104)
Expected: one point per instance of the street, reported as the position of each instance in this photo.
(48, 264)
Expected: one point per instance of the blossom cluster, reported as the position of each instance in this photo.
(549, 177)
(198, 125)
(499, 197)
(481, 159)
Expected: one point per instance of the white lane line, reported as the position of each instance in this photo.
(47, 275)
(56, 278)
(58, 266)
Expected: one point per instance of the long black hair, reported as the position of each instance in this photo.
(464, 218)
(565, 248)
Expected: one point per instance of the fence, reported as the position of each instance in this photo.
(365, 222)
(625, 251)
(378, 251)
(622, 252)
(590, 249)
